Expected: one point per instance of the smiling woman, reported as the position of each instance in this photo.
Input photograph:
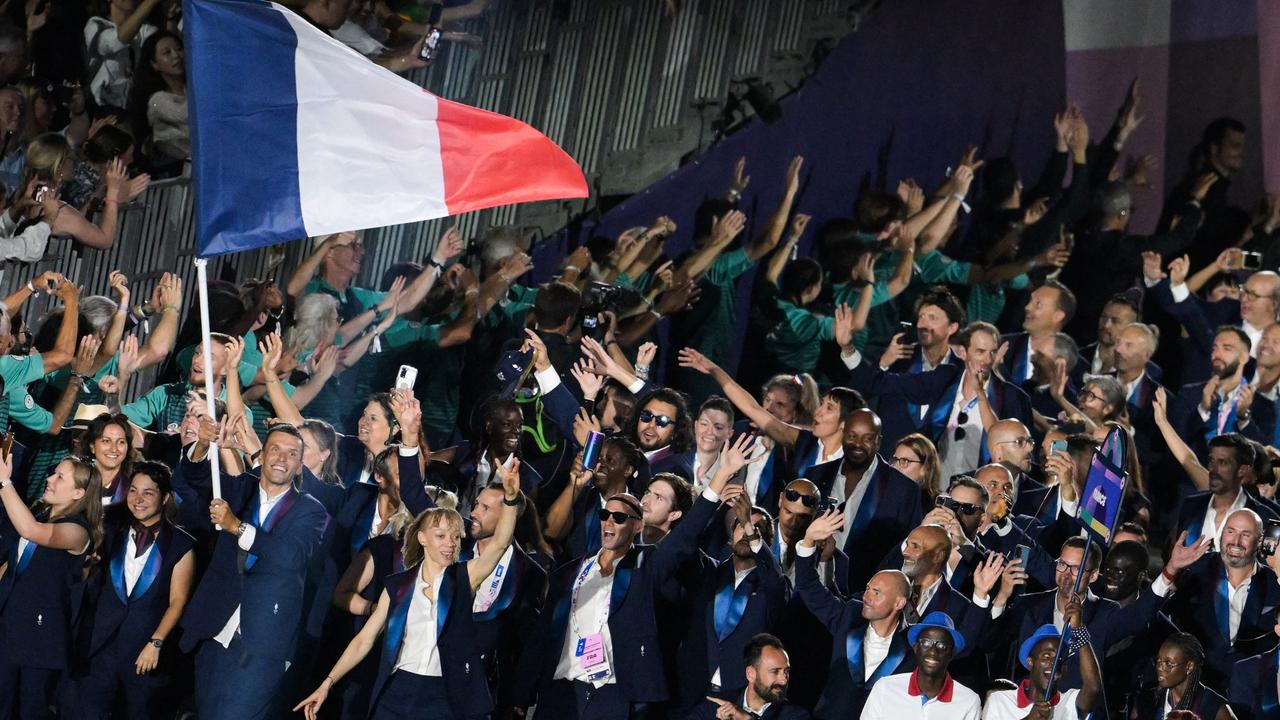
(109, 441)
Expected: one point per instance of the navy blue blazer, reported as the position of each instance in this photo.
(1184, 415)
(1196, 608)
(901, 395)
(35, 599)
(1253, 687)
(271, 592)
(638, 579)
(131, 618)
(1085, 367)
(1201, 321)
(511, 617)
(1193, 508)
(751, 608)
(847, 686)
(461, 666)
(1107, 622)
(892, 506)
(1016, 366)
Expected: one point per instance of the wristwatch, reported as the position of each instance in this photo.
(156, 643)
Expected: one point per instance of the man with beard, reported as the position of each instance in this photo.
(928, 691)
(963, 399)
(662, 429)
(939, 316)
(1050, 307)
(1039, 655)
(868, 635)
(924, 558)
(1009, 443)
(1222, 404)
(1204, 515)
(1228, 599)
(879, 504)
(768, 675)
(728, 602)
(573, 519)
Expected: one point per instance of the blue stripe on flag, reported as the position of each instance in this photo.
(244, 124)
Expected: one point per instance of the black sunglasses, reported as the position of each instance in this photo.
(961, 420)
(618, 517)
(944, 501)
(659, 420)
(794, 495)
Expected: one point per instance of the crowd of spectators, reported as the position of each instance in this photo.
(625, 491)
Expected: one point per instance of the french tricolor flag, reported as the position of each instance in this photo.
(294, 134)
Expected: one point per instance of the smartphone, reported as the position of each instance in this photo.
(909, 334)
(406, 377)
(431, 45)
(591, 452)
(1250, 260)
(52, 285)
(40, 192)
(1057, 446)
(1022, 553)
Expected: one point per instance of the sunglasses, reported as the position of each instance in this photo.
(808, 501)
(618, 517)
(961, 420)
(659, 420)
(944, 501)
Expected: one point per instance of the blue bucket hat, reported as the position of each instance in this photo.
(1042, 632)
(938, 620)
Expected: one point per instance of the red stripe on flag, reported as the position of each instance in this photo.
(491, 160)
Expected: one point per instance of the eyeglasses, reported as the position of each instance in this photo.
(618, 517)
(1064, 566)
(794, 495)
(950, 503)
(939, 645)
(961, 420)
(900, 461)
(1024, 441)
(1091, 395)
(659, 420)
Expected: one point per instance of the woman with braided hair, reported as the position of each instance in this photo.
(1178, 686)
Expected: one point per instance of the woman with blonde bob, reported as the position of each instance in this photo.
(430, 665)
(50, 164)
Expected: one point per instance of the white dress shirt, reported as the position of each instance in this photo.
(1211, 528)
(245, 541)
(874, 650)
(1237, 596)
(751, 481)
(420, 651)
(855, 499)
(587, 616)
(959, 456)
(133, 565)
(492, 585)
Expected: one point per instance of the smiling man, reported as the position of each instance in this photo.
(661, 427)
(928, 691)
(244, 618)
(1038, 654)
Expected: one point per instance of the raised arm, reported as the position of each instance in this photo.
(65, 345)
(307, 268)
(271, 348)
(783, 254)
(449, 247)
(1177, 446)
(160, 342)
(1090, 674)
(81, 366)
(481, 566)
(741, 399)
(59, 536)
(115, 331)
(127, 31)
(723, 231)
(559, 517)
(768, 239)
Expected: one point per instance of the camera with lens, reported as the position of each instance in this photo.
(600, 298)
(1270, 539)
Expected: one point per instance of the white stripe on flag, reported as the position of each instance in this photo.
(1097, 24)
(368, 145)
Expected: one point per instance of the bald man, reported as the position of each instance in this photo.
(1010, 444)
(879, 504)
(1252, 591)
(868, 636)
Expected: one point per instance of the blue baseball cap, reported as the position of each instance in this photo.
(1028, 645)
(937, 619)
(510, 370)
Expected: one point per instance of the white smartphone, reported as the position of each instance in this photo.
(406, 377)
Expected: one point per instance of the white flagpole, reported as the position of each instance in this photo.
(202, 286)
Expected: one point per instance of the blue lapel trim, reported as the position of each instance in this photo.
(510, 585)
(364, 524)
(281, 509)
(22, 561)
(621, 583)
(942, 411)
(399, 590)
(871, 501)
(857, 665)
(117, 570)
(151, 570)
(444, 601)
(766, 476)
(730, 603)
